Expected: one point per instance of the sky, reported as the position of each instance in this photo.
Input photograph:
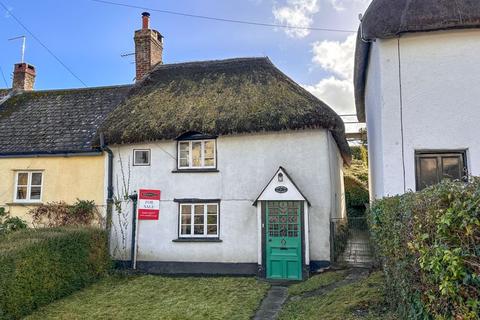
(90, 37)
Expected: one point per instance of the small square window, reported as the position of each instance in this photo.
(141, 157)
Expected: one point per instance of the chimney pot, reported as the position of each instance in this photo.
(23, 77)
(145, 20)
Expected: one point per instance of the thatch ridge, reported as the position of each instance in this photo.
(218, 97)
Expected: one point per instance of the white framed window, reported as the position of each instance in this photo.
(28, 186)
(197, 154)
(199, 220)
(141, 157)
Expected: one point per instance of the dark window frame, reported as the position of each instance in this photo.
(439, 154)
(149, 158)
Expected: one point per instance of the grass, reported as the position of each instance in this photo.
(316, 282)
(360, 300)
(157, 297)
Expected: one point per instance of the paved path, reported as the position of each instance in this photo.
(272, 304)
(278, 295)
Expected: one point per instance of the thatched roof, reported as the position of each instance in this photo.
(220, 98)
(55, 121)
(391, 18)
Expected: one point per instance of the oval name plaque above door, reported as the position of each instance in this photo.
(281, 189)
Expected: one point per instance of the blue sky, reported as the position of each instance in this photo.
(89, 37)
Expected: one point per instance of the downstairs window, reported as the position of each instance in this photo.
(433, 167)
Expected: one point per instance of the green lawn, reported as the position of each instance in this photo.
(316, 282)
(157, 297)
(360, 300)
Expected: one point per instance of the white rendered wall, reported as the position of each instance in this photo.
(438, 74)
(246, 163)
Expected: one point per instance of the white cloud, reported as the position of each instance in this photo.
(297, 13)
(335, 56)
(337, 90)
(338, 94)
(341, 5)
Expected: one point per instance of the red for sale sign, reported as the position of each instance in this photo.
(148, 204)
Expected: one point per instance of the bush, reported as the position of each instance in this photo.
(59, 214)
(40, 266)
(9, 224)
(429, 245)
(356, 188)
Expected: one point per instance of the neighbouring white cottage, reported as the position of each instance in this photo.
(416, 75)
(248, 163)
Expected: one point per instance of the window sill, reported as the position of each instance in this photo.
(194, 170)
(24, 204)
(197, 240)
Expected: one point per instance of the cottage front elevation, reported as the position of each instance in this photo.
(247, 162)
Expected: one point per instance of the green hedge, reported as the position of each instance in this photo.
(429, 245)
(38, 266)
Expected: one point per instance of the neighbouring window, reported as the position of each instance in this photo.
(199, 220)
(28, 186)
(141, 157)
(433, 167)
(196, 154)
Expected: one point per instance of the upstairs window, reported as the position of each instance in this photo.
(433, 167)
(28, 186)
(141, 157)
(196, 154)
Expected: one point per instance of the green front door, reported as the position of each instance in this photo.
(284, 240)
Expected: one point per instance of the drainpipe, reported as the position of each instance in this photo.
(109, 152)
(133, 247)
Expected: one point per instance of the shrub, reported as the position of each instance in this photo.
(38, 266)
(356, 188)
(59, 214)
(9, 224)
(429, 245)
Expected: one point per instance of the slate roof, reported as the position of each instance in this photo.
(390, 18)
(55, 121)
(219, 98)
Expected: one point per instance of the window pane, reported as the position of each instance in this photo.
(211, 209)
(212, 219)
(428, 172)
(35, 193)
(199, 209)
(197, 154)
(452, 168)
(209, 153)
(22, 179)
(21, 193)
(186, 209)
(184, 158)
(186, 219)
(186, 229)
(212, 230)
(142, 157)
(36, 179)
(198, 230)
(198, 219)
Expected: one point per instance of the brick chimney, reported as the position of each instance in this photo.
(23, 77)
(148, 48)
